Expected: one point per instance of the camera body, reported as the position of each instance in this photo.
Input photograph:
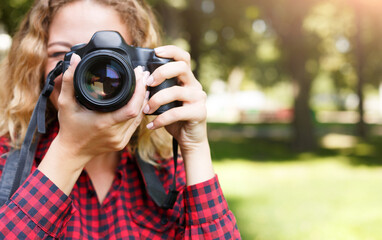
(104, 79)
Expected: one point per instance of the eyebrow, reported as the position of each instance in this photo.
(65, 44)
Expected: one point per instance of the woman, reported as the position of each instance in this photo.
(85, 183)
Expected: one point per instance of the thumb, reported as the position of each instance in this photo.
(67, 79)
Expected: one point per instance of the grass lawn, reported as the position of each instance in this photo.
(279, 195)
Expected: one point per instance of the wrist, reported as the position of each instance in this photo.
(198, 163)
(69, 153)
(62, 166)
(194, 148)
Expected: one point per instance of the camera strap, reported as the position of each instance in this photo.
(19, 162)
(153, 185)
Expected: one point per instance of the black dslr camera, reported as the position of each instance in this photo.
(104, 80)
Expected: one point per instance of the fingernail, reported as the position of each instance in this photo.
(146, 109)
(72, 59)
(150, 80)
(150, 125)
(140, 69)
(159, 50)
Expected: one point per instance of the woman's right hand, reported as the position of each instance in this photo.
(91, 133)
(85, 134)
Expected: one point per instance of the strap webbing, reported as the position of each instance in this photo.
(154, 186)
(19, 162)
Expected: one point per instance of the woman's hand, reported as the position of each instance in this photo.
(91, 133)
(86, 134)
(186, 123)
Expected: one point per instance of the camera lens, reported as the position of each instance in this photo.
(104, 81)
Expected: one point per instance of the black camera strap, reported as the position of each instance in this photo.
(153, 185)
(19, 162)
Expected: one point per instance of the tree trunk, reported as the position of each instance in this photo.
(361, 128)
(193, 24)
(304, 138)
(287, 20)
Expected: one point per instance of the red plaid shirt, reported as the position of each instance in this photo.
(40, 210)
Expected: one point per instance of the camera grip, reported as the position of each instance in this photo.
(166, 84)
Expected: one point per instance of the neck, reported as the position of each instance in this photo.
(103, 163)
(101, 171)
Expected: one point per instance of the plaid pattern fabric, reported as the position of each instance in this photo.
(39, 210)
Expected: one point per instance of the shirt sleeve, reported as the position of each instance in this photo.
(207, 214)
(37, 210)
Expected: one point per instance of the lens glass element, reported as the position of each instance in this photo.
(104, 79)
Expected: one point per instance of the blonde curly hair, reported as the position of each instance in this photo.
(22, 71)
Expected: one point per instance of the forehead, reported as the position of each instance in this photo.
(76, 22)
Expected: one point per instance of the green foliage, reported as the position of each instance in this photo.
(12, 12)
(222, 35)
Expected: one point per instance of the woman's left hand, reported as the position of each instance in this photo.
(187, 123)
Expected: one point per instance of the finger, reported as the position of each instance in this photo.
(67, 89)
(169, 70)
(175, 93)
(138, 71)
(135, 104)
(135, 122)
(192, 112)
(129, 127)
(173, 52)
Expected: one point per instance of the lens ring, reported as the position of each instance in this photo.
(104, 81)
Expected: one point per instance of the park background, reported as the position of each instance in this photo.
(294, 108)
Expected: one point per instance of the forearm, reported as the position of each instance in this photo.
(198, 163)
(62, 166)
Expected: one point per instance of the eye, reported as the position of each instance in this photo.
(57, 55)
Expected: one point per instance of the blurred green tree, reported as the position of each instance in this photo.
(367, 53)
(297, 47)
(12, 12)
(334, 47)
(226, 32)
(350, 50)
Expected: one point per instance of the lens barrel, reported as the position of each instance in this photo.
(104, 81)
